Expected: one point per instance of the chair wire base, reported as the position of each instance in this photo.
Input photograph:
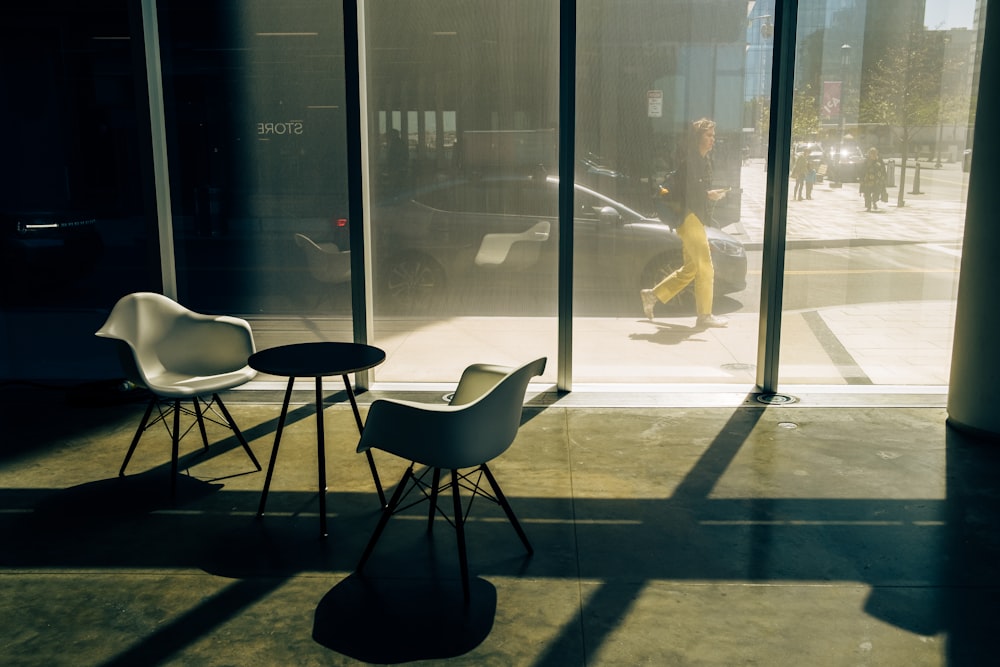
(470, 482)
(173, 407)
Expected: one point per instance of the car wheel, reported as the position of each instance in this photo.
(659, 268)
(413, 282)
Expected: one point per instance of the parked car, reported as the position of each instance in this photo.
(845, 162)
(479, 233)
(42, 249)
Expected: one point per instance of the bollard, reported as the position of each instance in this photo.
(890, 174)
(916, 180)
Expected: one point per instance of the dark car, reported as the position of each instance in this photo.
(40, 249)
(844, 162)
(480, 234)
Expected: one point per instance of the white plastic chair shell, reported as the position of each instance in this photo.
(477, 425)
(176, 352)
(326, 261)
(178, 355)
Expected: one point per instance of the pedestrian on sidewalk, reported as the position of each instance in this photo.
(810, 179)
(872, 181)
(799, 170)
(694, 176)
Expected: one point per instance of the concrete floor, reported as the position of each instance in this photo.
(753, 535)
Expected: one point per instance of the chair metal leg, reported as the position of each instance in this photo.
(201, 421)
(236, 430)
(387, 513)
(463, 560)
(506, 507)
(435, 482)
(138, 434)
(175, 448)
(361, 428)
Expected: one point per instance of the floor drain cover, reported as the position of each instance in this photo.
(776, 399)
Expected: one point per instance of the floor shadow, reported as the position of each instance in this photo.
(668, 334)
(374, 620)
(116, 498)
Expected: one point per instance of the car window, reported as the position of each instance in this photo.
(499, 197)
(442, 198)
(588, 206)
(527, 198)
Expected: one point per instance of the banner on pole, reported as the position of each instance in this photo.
(831, 100)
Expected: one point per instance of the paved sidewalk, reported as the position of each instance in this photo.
(854, 346)
(837, 215)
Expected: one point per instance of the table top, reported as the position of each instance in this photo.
(316, 359)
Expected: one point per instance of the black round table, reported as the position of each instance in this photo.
(316, 360)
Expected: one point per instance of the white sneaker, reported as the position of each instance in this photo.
(711, 321)
(649, 301)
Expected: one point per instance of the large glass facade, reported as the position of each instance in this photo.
(461, 126)
(463, 119)
(882, 100)
(254, 104)
(645, 71)
(71, 201)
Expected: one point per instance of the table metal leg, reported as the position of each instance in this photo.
(321, 456)
(274, 449)
(361, 427)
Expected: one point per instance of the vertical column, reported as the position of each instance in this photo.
(974, 388)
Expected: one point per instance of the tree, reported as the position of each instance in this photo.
(805, 114)
(903, 90)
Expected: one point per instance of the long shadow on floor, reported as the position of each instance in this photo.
(932, 563)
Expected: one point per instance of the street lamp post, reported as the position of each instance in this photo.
(760, 90)
(845, 60)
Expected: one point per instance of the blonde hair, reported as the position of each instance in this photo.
(702, 125)
(698, 128)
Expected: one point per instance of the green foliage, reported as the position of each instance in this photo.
(905, 88)
(805, 114)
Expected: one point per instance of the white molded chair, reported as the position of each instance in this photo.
(178, 354)
(326, 261)
(477, 425)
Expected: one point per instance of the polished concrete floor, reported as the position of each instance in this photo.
(751, 535)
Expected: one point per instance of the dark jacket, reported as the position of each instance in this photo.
(695, 172)
(873, 177)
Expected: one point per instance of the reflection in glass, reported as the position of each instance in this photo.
(869, 295)
(255, 106)
(463, 105)
(646, 71)
(72, 229)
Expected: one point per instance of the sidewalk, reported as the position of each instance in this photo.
(880, 347)
(837, 215)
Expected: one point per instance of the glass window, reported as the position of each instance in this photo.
(254, 96)
(876, 212)
(71, 206)
(464, 102)
(645, 73)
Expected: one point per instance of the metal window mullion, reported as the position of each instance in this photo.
(356, 103)
(776, 204)
(158, 132)
(567, 157)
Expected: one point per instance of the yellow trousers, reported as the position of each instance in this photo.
(697, 267)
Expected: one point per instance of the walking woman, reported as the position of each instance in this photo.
(694, 174)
